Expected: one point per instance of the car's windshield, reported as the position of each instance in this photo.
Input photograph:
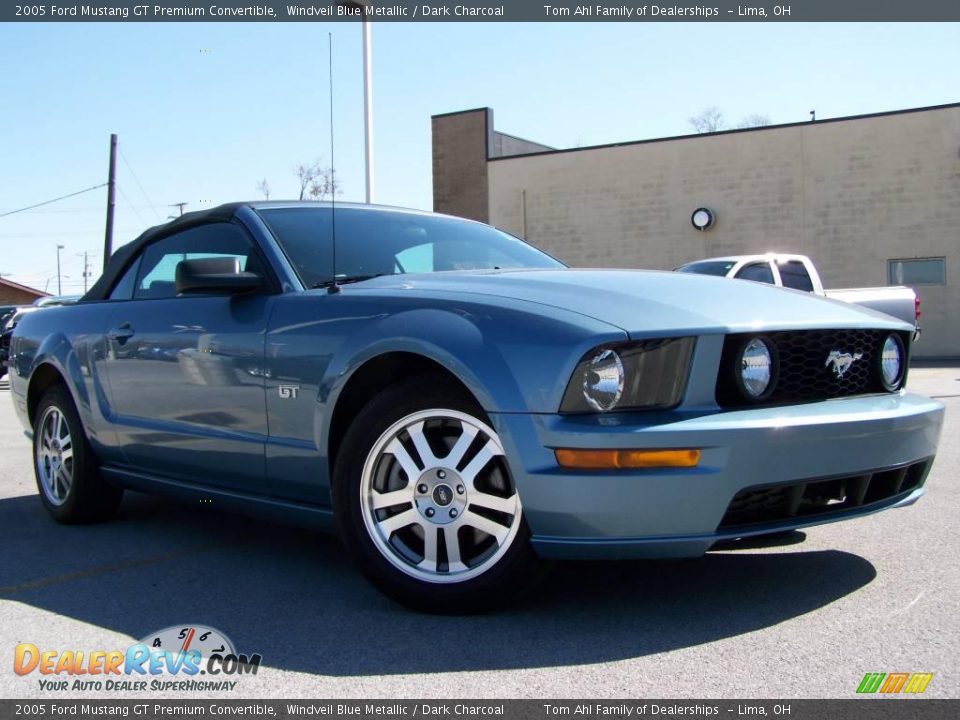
(386, 242)
(708, 267)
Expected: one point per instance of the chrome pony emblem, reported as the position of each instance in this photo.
(841, 361)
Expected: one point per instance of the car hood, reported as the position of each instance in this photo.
(647, 303)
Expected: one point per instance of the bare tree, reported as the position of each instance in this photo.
(263, 187)
(324, 185)
(755, 120)
(710, 120)
(306, 174)
(316, 181)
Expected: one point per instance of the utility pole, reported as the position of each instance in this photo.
(180, 205)
(360, 6)
(111, 201)
(86, 270)
(59, 288)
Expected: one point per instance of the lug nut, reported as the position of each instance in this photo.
(430, 512)
(460, 490)
(422, 489)
(453, 512)
(441, 474)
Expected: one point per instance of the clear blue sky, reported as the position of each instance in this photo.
(204, 110)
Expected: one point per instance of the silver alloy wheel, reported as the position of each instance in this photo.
(54, 455)
(439, 519)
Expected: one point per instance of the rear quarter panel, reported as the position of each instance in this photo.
(69, 338)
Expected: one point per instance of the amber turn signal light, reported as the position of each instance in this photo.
(616, 459)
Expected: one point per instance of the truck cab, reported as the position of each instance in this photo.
(791, 271)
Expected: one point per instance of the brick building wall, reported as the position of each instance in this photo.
(12, 293)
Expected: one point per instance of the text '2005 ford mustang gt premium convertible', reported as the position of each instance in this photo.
(458, 404)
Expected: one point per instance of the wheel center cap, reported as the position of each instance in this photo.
(443, 495)
(440, 495)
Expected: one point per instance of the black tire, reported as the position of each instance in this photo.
(516, 570)
(87, 498)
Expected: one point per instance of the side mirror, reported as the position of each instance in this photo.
(214, 275)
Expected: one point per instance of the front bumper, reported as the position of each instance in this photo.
(678, 512)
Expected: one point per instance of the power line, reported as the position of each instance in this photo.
(137, 180)
(47, 202)
(73, 233)
(130, 205)
(86, 210)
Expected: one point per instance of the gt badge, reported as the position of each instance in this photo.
(288, 392)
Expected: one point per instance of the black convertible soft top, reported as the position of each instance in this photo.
(121, 259)
(124, 255)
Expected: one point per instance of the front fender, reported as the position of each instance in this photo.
(449, 339)
(511, 360)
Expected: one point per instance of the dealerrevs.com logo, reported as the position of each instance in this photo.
(178, 658)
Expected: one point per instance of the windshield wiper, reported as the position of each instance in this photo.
(345, 279)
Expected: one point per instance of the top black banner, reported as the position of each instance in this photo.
(484, 10)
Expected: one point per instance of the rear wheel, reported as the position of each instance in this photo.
(426, 503)
(66, 470)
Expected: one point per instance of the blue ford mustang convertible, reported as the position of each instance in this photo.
(456, 403)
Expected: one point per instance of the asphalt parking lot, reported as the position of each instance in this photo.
(879, 594)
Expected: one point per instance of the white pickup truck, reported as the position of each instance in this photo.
(799, 273)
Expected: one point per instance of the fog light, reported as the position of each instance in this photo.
(757, 369)
(891, 362)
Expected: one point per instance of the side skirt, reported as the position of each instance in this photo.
(274, 509)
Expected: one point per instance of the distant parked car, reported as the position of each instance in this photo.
(456, 403)
(6, 334)
(52, 300)
(799, 273)
(6, 312)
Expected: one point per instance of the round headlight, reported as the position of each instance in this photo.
(891, 362)
(757, 369)
(603, 381)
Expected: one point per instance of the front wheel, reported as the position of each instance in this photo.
(426, 503)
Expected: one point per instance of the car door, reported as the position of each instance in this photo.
(185, 372)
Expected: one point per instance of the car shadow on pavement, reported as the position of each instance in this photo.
(293, 596)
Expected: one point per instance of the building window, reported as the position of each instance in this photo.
(920, 271)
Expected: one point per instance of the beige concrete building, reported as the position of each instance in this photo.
(873, 199)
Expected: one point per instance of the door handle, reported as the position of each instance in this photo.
(121, 333)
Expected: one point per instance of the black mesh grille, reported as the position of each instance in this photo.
(808, 498)
(804, 373)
